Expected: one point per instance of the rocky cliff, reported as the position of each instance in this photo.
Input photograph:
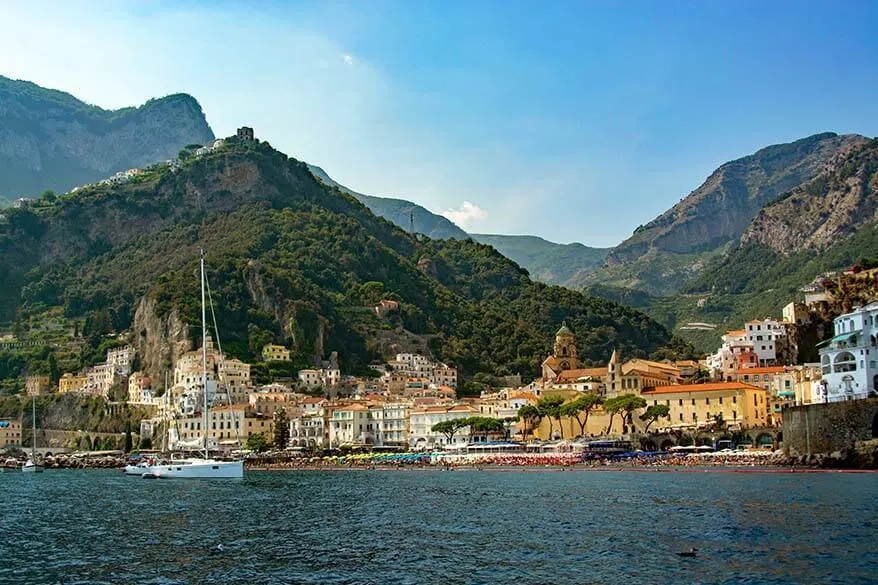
(719, 211)
(51, 140)
(663, 254)
(832, 206)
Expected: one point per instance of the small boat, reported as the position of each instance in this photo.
(198, 469)
(138, 469)
(692, 552)
(31, 465)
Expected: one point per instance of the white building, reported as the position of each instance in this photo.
(735, 353)
(308, 430)
(764, 335)
(351, 425)
(849, 361)
(121, 359)
(421, 421)
(326, 377)
(392, 424)
(100, 379)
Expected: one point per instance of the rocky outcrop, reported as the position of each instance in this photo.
(51, 140)
(159, 339)
(830, 207)
(715, 215)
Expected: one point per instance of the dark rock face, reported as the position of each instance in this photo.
(51, 140)
(830, 207)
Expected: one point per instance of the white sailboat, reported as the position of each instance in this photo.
(200, 468)
(31, 465)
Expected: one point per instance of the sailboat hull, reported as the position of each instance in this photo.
(31, 467)
(199, 469)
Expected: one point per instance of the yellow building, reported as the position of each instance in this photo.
(37, 385)
(72, 383)
(235, 374)
(139, 386)
(695, 405)
(275, 353)
(225, 426)
(10, 432)
(253, 425)
(635, 375)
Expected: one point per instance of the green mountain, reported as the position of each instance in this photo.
(290, 259)
(51, 140)
(561, 264)
(400, 212)
(661, 256)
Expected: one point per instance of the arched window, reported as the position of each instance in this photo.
(827, 366)
(844, 362)
(564, 351)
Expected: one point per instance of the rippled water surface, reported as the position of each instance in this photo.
(424, 526)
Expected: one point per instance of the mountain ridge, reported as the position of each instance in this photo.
(660, 256)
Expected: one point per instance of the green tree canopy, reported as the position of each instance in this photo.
(582, 405)
(653, 413)
(257, 442)
(550, 406)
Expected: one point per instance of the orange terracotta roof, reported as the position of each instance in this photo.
(582, 373)
(710, 387)
(313, 400)
(523, 396)
(737, 332)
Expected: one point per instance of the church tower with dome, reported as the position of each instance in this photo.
(563, 356)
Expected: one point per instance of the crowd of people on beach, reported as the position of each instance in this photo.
(516, 460)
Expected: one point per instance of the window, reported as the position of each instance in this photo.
(681, 416)
(681, 402)
(720, 399)
(734, 399)
(734, 414)
(693, 402)
(844, 362)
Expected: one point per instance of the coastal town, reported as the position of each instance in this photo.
(733, 399)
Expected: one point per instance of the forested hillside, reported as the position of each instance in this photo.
(291, 260)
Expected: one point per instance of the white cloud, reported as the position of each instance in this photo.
(348, 60)
(466, 214)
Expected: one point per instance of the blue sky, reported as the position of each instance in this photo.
(571, 120)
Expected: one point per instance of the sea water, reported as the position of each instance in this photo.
(433, 527)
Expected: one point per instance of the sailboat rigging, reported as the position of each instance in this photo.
(200, 468)
(31, 465)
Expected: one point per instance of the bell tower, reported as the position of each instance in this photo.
(565, 348)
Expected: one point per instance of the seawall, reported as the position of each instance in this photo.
(837, 433)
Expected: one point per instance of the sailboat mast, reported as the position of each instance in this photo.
(33, 449)
(204, 354)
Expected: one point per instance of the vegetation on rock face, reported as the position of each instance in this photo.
(51, 140)
(715, 215)
(291, 260)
